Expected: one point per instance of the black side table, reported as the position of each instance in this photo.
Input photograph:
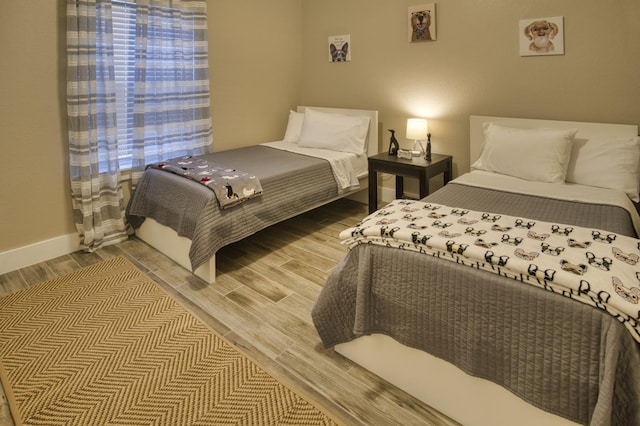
(416, 167)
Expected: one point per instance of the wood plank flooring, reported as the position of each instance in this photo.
(261, 302)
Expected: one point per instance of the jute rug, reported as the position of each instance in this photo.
(105, 345)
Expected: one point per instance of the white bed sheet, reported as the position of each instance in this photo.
(564, 191)
(347, 167)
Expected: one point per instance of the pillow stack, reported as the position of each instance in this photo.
(336, 132)
(554, 156)
(607, 163)
(294, 127)
(540, 155)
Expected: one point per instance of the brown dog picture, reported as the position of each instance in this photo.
(422, 23)
(542, 36)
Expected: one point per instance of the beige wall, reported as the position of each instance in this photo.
(268, 56)
(474, 67)
(255, 69)
(34, 194)
(255, 60)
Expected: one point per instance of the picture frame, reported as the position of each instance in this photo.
(422, 23)
(542, 36)
(340, 48)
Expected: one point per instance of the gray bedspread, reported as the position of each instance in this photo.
(291, 184)
(561, 355)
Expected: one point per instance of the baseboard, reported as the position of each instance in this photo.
(361, 196)
(39, 252)
(389, 194)
(386, 195)
(42, 251)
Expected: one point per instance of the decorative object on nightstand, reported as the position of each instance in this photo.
(394, 146)
(418, 130)
(406, 154)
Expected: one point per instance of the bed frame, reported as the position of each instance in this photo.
(467, 399)
(167, 241)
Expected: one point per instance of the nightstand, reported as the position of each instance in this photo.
(417, 167)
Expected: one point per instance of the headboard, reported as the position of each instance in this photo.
(372, 136)
(585, 130)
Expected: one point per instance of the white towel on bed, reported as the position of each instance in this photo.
(346, 166)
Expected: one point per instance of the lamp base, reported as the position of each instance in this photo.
(417, 146)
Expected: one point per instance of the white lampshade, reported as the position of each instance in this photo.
(417, 129)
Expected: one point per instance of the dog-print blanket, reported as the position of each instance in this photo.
(590, 265)
(231, 186)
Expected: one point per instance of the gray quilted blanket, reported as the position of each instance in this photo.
(590, 265)
(291, 184)
(561, 355)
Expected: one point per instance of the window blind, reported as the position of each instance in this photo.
(124, 51)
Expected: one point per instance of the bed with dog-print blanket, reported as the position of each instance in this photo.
(184, 220)
(538, 295)
(289, 182)
(590, 265)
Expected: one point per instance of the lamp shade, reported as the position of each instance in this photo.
(417, 128)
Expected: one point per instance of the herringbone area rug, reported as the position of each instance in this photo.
(105, 345)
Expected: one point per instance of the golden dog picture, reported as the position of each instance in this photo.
(422, 23)
(542, 36)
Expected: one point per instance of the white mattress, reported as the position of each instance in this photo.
(347, 167)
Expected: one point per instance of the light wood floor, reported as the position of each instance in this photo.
(261, 301)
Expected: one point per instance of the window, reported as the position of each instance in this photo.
(137, 93)
(124, 52)
(161, 89)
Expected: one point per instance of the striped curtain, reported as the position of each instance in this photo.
(97, 196)
(172, 108)
(171, 112)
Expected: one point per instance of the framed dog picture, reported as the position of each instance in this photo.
(542, 36)
(340, 48)
(422, 23)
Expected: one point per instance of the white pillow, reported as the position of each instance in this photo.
(540, 155)
(607, 163)
(336, 132)
(294, 126)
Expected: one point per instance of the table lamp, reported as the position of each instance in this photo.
(418, 130)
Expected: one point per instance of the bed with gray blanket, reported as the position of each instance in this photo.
(574, 361)
(287, 179)
(187, 221)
